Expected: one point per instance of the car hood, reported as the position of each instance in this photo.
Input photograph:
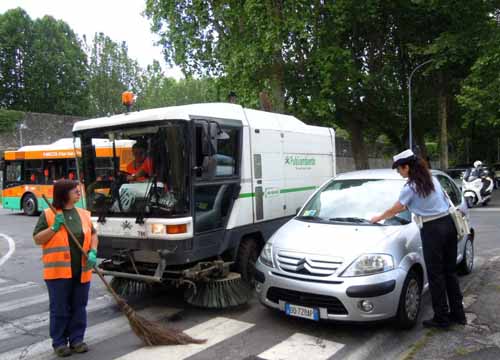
(336, 240)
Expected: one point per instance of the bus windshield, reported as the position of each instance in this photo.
(145, 176)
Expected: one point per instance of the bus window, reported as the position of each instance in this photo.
(54, 169)
(13, 172)
(33, 172)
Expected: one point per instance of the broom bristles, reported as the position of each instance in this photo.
(153, 333)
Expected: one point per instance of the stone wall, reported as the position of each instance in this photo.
(38, 129)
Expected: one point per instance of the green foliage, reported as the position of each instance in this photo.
(42, 65)
(159, 91)
(9, 119)
(342, 62)
(16, 30)
(57, 73)
(111, 72)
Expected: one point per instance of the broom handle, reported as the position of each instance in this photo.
(96, 269)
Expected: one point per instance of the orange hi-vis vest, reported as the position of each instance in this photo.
(56, 252)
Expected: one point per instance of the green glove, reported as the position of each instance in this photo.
(59, 221)
(91, 258)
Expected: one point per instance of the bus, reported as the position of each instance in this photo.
(30, 171)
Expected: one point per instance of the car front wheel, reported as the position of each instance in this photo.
(409, 301)
(467, 264)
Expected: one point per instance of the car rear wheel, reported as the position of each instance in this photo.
(470, 201)
(30, 205)
(409, 301)
(467, 264)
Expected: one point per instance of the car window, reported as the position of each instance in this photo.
(450, 189)
(356, 200)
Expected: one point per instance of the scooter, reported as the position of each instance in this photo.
(477, 187)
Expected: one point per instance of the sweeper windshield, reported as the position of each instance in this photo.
(143, 175)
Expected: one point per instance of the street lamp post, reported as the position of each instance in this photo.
(22, 127)
(410, 132)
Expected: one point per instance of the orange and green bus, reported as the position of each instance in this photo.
(30, 171)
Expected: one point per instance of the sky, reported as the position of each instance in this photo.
(121, 20)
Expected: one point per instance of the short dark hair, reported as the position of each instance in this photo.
(61, 192)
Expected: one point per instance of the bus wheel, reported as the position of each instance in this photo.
(30, 205)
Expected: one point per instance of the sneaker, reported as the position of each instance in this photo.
(62, 351)
(433, 323)
(80, 348)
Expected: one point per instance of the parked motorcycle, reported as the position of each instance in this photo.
(477, 185)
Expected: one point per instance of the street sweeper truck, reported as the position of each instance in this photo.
(207, 186)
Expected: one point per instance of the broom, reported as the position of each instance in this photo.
(151, 333)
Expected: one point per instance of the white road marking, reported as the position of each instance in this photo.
(19, 303)
(302, 347)
(12, 248)
(214, 330)
(95, 334)
(486, 209)
(17, 287)
(36, 321)
(2, 281)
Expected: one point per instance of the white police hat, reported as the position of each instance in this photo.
(403, 158)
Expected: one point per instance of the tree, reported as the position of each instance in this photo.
(159, 91)
(111, 71)
(56, 76)
(16, 29)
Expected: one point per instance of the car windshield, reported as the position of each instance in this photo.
(136, 171)
(355, 201)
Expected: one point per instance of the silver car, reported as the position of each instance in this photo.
(331, 263)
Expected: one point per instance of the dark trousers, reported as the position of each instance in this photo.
(68, 314)
(439, 241)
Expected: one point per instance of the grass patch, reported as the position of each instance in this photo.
(461, 351)
(419, 345)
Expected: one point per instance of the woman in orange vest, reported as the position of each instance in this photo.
(66, 271)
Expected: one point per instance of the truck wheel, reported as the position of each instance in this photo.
(30, 205)
(246, 259)
(409, 301)
(467, 264)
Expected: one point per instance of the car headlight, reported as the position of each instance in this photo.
(266, 255)
(369, 264)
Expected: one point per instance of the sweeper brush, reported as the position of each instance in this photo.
(222, 293)
(127, 287)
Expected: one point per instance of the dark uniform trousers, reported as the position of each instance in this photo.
(68, 314)
(439, 241)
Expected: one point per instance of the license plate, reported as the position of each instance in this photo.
(302, 312)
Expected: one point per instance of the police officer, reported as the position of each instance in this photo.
(423, 196)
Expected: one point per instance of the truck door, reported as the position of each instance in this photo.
(268, 173)
(216, 177)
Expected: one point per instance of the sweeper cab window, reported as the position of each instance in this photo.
(144, 174)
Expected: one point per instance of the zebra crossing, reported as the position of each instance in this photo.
(26, 336)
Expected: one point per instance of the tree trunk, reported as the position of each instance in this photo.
(443, 121)
(277, 86)
(358, 145)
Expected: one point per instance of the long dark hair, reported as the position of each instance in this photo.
(421, 177)
(61, 192)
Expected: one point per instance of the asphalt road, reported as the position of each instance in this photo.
(249, 332)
